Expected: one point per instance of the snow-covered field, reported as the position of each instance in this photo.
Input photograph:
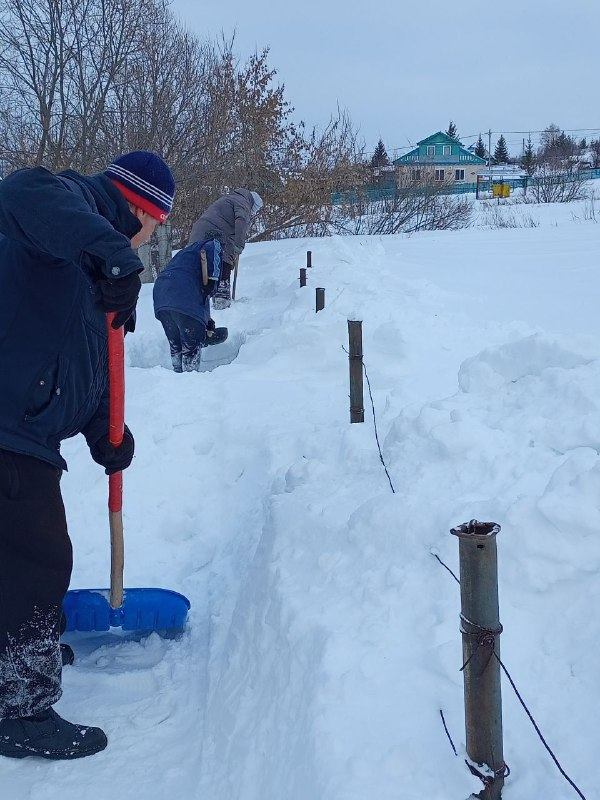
(323, 639)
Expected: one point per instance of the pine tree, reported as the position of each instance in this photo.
(528, 159)
(501, 151)
(380, 156)
(452, 132)
(480, 148)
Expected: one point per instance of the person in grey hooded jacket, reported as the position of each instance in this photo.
(227, 220)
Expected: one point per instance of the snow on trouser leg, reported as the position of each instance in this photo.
(35, 568)
(191, 361)
(176, 361)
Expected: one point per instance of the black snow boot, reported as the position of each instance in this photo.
(47, 735)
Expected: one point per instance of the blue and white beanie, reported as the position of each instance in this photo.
(144, 180)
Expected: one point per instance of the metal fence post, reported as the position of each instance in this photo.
(302, 276)
(480, 628)
(355, 356)
(319, 299)
(308, 258)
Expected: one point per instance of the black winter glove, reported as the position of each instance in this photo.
(114, 459)
(210, 288)
(210, 326)
(130, 324)
(120, 295)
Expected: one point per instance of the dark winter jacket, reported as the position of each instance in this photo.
(179, 286)
(227, 220)
(58, 235)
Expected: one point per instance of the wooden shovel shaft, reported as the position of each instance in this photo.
(116, 377)
(236, 260)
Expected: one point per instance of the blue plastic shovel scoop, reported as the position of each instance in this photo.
(130, 609)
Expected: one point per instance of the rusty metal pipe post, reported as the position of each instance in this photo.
(355, 357)
(302, 276)
(319, 299)
(480, 628)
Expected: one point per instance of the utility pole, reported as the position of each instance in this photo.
(490, 157)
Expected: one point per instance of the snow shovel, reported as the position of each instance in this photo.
(129, 609)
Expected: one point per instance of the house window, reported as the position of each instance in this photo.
(459, 174)
(439, 174)
(447, 149)
(430, 149)
(415, 174)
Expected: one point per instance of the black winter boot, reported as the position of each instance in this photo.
(47, 735)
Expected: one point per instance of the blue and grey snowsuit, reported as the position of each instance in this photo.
(182, 304)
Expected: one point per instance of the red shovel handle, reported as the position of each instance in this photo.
(116, 377)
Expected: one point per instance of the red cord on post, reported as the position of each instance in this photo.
(116, 378)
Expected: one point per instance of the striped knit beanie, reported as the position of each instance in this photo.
(144, 180)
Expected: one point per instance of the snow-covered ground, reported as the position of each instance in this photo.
(323, 638)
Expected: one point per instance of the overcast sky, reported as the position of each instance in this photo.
(404, 70)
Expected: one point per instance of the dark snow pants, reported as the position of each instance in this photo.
(35, 569)
(186, 336)
(226, 271)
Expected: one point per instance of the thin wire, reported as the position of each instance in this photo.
(491, 642)
(445, 566)
(374, 421)
(447, 732)
(375, 426)
(539, 733)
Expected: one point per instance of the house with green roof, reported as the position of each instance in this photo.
(442, 158)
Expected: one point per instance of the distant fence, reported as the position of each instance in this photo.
(371, 195)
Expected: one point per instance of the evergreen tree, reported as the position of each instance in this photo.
(556, 147)
(549, 137)
(501, 151)
(528, 159)
(480, 148)
(380, 156)
(452, 132)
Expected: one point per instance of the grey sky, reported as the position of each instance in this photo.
(404, 70)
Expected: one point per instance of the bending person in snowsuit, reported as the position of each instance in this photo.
(66, 259)
(227, 220)
(182, 305)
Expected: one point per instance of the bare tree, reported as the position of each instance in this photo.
(595, 153)
(60, 61)
(424, 204)
(557, 184)
(83, 80)
(311, 169)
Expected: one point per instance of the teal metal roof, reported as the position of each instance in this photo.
(439, 141)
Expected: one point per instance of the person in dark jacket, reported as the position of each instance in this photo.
(227, 220)
(181, 303)
(66, 259)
